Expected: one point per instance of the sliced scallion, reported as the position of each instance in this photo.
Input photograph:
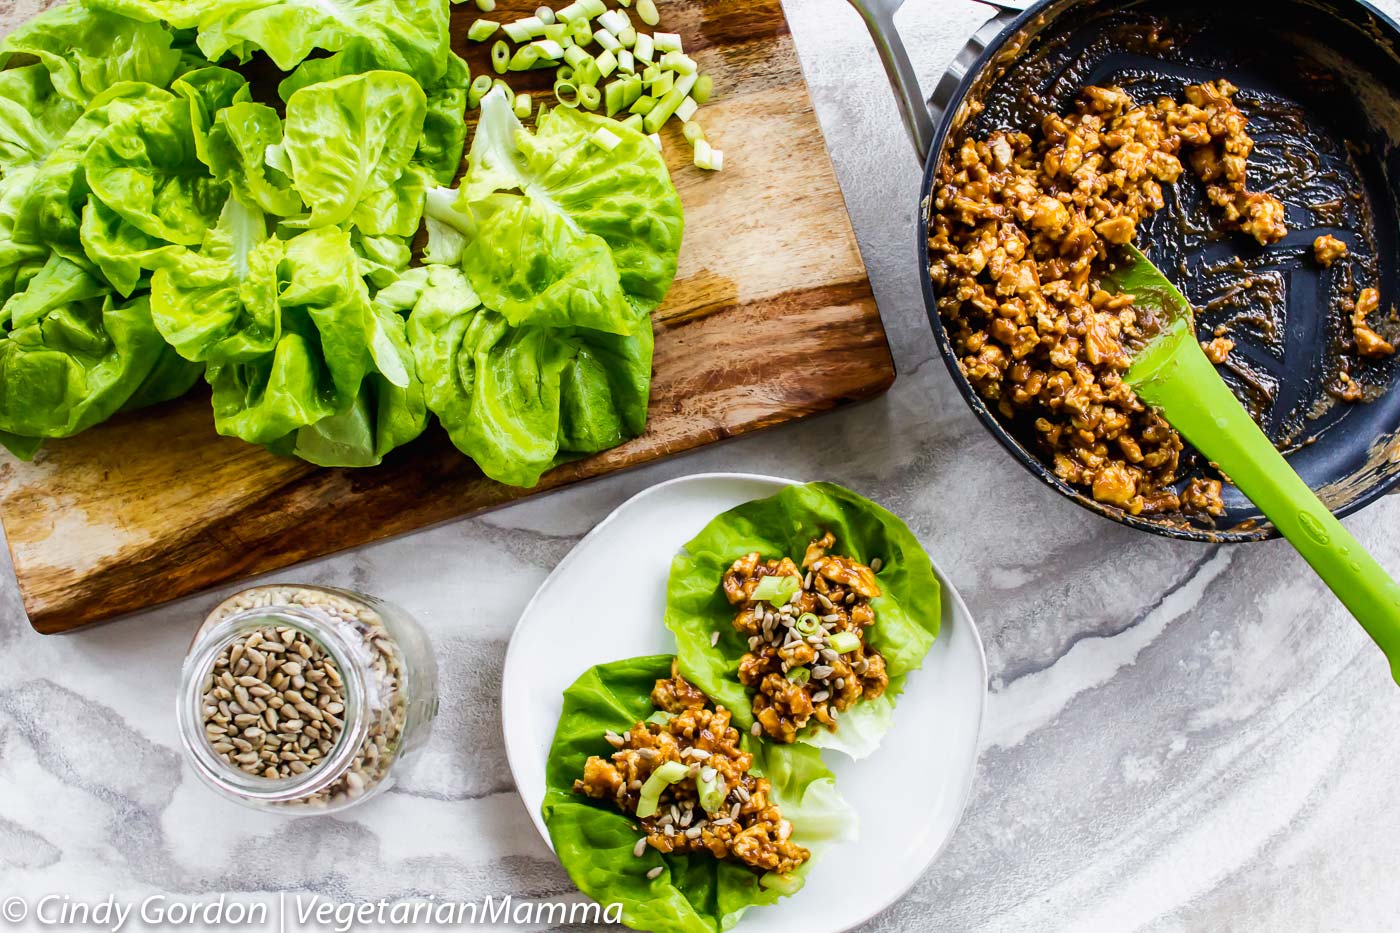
(693, 131)
(612, 21)
(716, 160)
(548, 48)
(783, 884)
(539, 114)
(646, 9)
(843, 642)
(606, 62)
(500, 56)
(567, 93)
(545, 15)
(486, 6)
(576, 56)
(482, 29)
(523, 106)
(605, 139)
(667, 41)
(583, 32)
(704, 86)
(628, 37)
(564, 73)
(480, 87)
(662, 84)
(772, 589)
(587, 73)
(633, 122)
(645, 50)
(655, 140)
(557, 32)
(524, 58)
(519, 31)
(678, 62)
(687, 109)
(662, 112)
(590, 97)
(625, 62)
(594, 8)
(570, 13)
(711, 797)
(800, 675)
(614, 97)
(607, 40)
(642, 105)
(666, 774)
(807, 624)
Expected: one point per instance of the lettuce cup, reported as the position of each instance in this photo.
(803, 613)
(656, 802)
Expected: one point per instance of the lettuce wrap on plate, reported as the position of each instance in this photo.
(803, 613)
(656, 803)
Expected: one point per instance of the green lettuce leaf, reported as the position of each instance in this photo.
(694, 893)
(906, 613)
(18, 261)
(144, 166)
(519, 400)
(119, 250)
(33, 117)
(208, 91)
(623, 198)
(70, 357)
(412, 34)
(236, 151)
(349, 141)
(87, 51)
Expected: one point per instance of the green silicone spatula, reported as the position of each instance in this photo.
(1173, 375)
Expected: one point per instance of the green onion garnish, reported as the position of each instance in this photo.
(590, 97)
(567, 92)
(693, 131)
(773, 589)
(783, 884)
(500, 56)
(687, 109)
(548, 48)
(844, 642)
(645, 50)
(646, 9)
(605, 139)
(799, 675)
(486, 6)
(704, 85)
(607, 40)
(711, 797)
(480, 87)
(664, 776)
(524, 58)
(807, 624)
(634, 122)
(667, 41)
(482, 29)
(606, 62)
(583, 32)
(523, 106)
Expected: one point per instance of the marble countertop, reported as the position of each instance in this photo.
(1179, 736)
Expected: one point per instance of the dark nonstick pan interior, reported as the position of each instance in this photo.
(1320, 83)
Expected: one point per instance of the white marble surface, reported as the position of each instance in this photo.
(1179, 736)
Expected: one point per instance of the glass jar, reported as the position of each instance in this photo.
(305, 698)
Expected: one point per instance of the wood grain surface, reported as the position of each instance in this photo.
(771, 319)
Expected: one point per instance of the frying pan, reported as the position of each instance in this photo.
(1320, 84)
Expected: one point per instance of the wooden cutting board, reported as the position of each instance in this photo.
(771, 319)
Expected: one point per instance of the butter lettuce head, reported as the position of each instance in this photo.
(622, 199)
(694, 893)
(34, 118)
(521, 399)
(906, 614)
(71, 356)
(349, 142)
(235, 150)
(88, 50)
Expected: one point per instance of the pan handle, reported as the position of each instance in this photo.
(921, 116)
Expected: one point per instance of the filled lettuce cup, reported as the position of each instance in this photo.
(656, 802)
(803, 613)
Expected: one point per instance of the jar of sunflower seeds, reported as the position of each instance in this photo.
(305, 698)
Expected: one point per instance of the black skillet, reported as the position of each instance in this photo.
(1320, 83)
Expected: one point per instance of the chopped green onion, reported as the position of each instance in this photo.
(687, 109)
(634, 122)
(655, 140)
(703, 152)
(660, 717)
(523, 30)
(711, 797)
(590, 97)
(604, 138)
(666, 774)
(570, 13)
(645, 50)
(678, 61)
(783, 884)
(646, 9)
(556, 32)
(807, 624)
(642, 105)
(564, 73)
(634, 89)
(482, 29)
(693, 131)
(583, 32)
(684, 83)
(657, 119)
(607, 63)
(607, 40)
(614, 97)
(651, 73)
(587, 73)
(667, 41)
(613, 21)
(500, 56)
(548, 48)
(799, 675)
(480, 87)
(576, 56)
(772, 589)
(844, 642)
(662, 85)
(567, 93)
(704, 85)
(524, 58)
(594, 8)
(626, 62)
(624, 2)
(505, 88)
(545, 15)
(523, 106)
(716, 160)
(486, 6)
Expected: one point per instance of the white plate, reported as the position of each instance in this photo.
(605, 602)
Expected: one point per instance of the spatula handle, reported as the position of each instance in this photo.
(1201, 406)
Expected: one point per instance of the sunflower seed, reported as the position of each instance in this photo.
(714, 638)
(655, 873)
(640, 847)
(876, 564)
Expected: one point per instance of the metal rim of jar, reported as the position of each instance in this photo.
(234, 782)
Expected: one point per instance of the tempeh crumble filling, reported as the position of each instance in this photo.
(1020, 231)
(684, 777)
(807, 657)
